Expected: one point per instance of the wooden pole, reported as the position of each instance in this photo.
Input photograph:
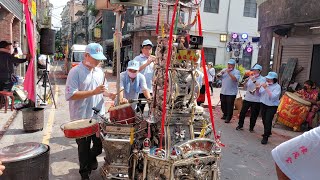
(118, 39)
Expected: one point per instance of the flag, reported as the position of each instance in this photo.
(29, 79)
(24, 1)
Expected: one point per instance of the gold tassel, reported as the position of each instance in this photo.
(114, 42)
(162, 31)
(203, 130)
(131, 135)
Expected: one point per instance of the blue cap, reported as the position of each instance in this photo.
(133, 65)
(272, 75)
(147, 43)
(257, 67)
(232, 61)
(96, 51)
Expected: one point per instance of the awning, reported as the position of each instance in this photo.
(15, 7)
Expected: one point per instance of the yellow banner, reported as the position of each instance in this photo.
(34, 8)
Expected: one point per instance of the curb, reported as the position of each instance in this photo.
(6, 126)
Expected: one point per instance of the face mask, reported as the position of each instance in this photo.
(305, 88)
(88, 64)
(132, 75)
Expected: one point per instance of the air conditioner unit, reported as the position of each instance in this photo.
(129, 2)
(130, 26)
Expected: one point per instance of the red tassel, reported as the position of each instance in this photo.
(207, 82)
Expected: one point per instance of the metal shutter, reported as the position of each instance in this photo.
(304, 55)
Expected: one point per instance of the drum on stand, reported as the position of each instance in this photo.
(292, 110)
(80, 128)
(122, 114)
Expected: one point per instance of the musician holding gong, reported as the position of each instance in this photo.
(131, 83)
(252, 98)
(145, 60)
(85, 88)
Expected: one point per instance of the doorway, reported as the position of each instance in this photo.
(315, 65)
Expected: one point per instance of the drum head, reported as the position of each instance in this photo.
(78, 124)
(120, 107)
(297, 98)
(22, 151)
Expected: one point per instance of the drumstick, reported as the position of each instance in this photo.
(119, 92)
(104, 77)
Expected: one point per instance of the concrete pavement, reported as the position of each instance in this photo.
(243, 158)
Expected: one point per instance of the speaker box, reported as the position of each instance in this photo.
(47, 41)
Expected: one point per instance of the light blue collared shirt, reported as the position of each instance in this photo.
(147, 71)
(251, 86)
(132, 94)
(199, 79)
(272, 100)
(229, 86)
(80, 78)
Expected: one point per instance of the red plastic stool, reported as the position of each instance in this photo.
(5, 101)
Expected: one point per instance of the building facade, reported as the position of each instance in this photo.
(11, 17)
(294, 29)
(220, 19)
(68, 17)
(228, 17)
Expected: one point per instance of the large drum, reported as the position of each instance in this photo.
(123, 114)
(80, 128)
(293, 110)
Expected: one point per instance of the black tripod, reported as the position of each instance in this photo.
(45, 78)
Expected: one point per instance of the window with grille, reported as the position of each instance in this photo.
(210, 55)
(144, 10)
(250, 8)
(211, 6)
(147, 10)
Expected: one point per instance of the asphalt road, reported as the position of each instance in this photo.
(243, 158)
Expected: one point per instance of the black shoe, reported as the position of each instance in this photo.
(239, 128)
(94, 164)
(251, 130)
(227, 120)
(224, 117)
(264, 140)
(85, 177)
(264, 135)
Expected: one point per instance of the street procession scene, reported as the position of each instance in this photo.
(159, 89)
